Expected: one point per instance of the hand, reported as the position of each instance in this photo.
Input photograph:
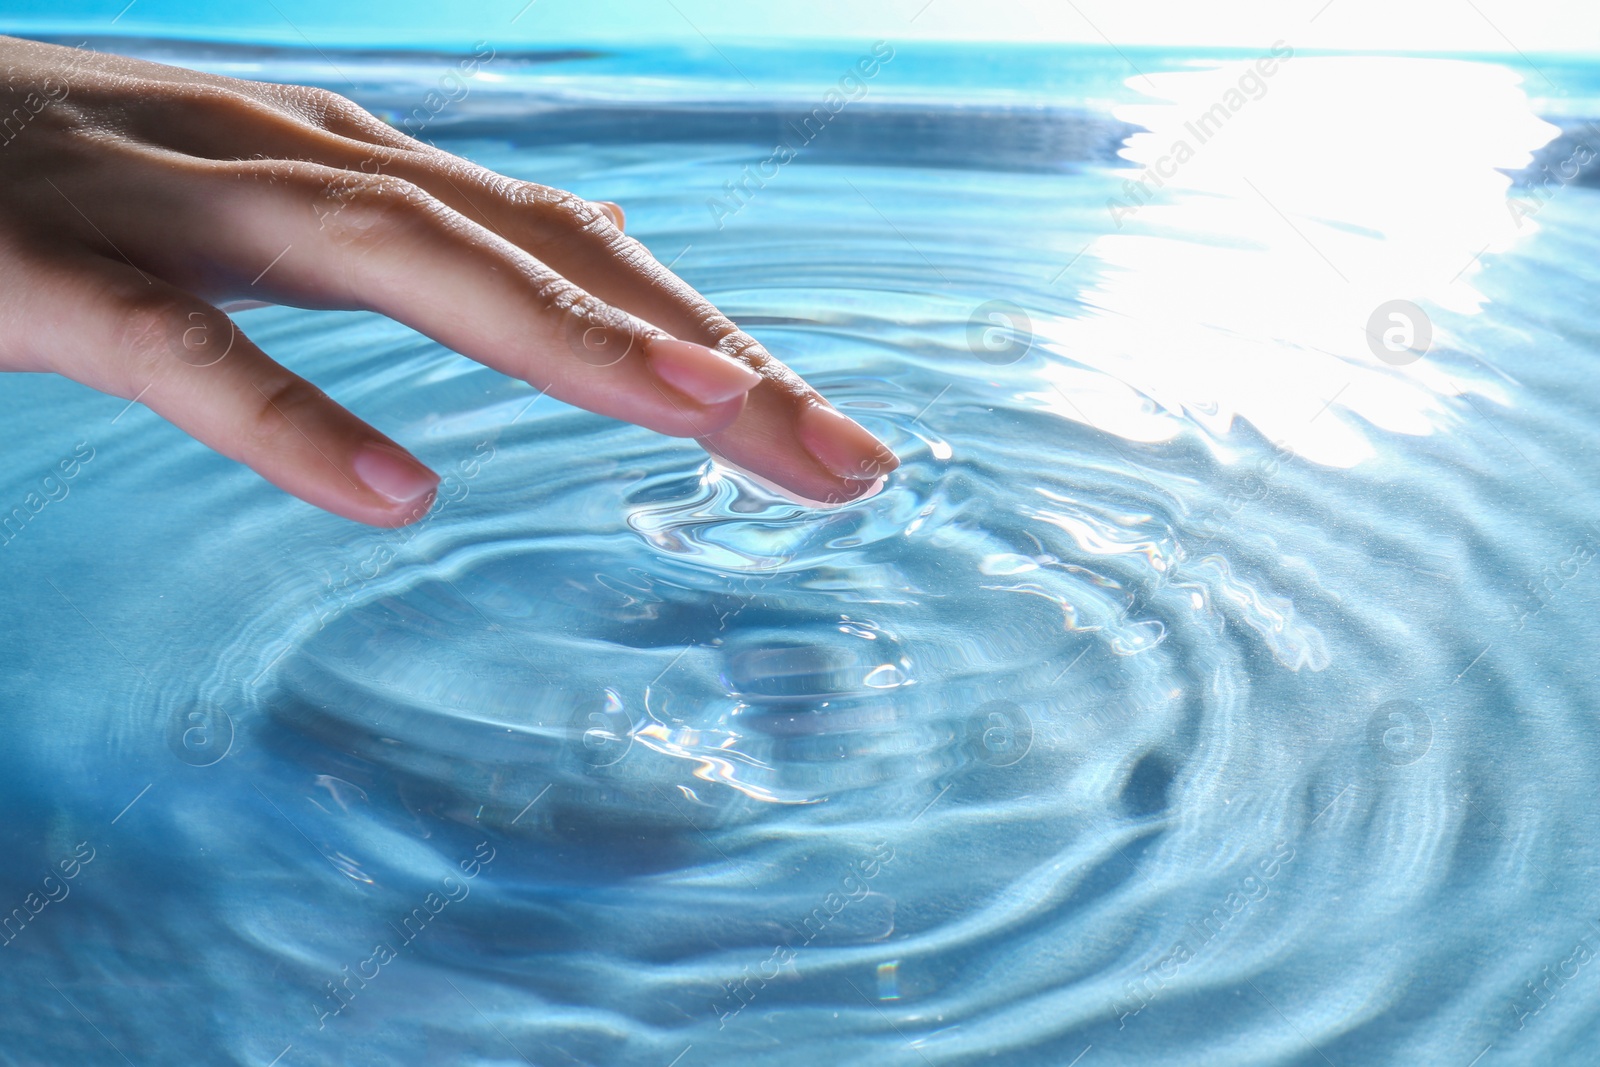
(136, 198)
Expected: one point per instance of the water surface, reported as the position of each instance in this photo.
(1211, 684)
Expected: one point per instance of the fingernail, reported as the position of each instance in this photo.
(843, 445)
(698, 372)
(618, 217)
(393, 475)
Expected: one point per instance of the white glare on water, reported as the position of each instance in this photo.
(1364, 180)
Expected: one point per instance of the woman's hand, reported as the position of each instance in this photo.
(135, 198)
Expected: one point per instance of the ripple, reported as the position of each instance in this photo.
(1167, 701)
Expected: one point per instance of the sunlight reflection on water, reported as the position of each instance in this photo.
(1307, 197)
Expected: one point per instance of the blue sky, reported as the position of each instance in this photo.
(1411, 25)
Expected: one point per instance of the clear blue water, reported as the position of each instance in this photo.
(1203, 688)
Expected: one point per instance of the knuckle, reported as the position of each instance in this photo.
(151, 329)
(326, 107)
(593, 312)
(559, 214)
(555, 295)
(370, 209)
(282, 405)
(560, 209)
(227, 101)
(595, 332)
(628, 250)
